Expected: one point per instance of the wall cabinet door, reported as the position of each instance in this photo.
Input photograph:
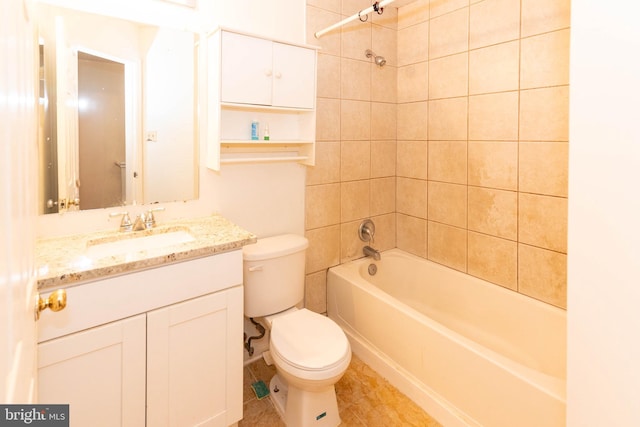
(99, 372)
(247, 69)
(194, 362)
(294, 76)
(263, 72)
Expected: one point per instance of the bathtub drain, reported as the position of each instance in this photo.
(373, 269)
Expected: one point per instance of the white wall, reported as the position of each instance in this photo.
(603, 385)
(279, 19)
(266, 199)
(169, 76)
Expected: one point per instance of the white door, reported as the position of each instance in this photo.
(18, 135)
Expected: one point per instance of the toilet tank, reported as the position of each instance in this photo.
(273, 274)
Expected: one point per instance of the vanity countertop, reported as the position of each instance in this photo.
(62, 261)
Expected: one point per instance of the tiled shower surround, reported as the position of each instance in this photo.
(457, 148)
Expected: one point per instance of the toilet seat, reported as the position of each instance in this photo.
(311, 345)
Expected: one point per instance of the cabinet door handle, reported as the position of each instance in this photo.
(256, 268)
(268, 72)
(278, 74)
(55, 302)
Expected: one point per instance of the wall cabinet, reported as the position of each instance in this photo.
(174, 360)
(256, 79)
(264, 72)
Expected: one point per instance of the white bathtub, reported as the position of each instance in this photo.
(469, 352)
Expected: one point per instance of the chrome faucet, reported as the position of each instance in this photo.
(146, 220)
(369, 251)
(140, 223)
(366, 231)
(143, 221)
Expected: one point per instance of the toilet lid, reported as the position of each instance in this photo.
(309, 340)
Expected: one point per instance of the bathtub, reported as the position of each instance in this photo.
(469, 352)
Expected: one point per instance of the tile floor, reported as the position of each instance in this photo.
(365, 399)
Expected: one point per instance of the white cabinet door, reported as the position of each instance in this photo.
(194, 365)
(262, 72)
(247, 69)
(99, 372)
(294, 74)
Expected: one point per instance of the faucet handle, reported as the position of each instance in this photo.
(150, 218)
(125, 224)
(366, 231)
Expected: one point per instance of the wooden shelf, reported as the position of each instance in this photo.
(258, 107)
(259, 143)
(266, 159)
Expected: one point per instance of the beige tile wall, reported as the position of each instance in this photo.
(458, 147)
(355, 173)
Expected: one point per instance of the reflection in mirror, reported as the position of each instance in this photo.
(118, 112)
(48, 163)
(101, 132)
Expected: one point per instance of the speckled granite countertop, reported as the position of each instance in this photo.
(63, 261)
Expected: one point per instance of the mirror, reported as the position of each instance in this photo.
(118, 112)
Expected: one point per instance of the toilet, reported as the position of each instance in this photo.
(310, 351)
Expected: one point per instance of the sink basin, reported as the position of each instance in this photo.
(132, 243)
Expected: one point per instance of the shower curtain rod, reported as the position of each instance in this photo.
(376, 7)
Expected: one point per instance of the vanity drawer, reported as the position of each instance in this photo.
(103, 301)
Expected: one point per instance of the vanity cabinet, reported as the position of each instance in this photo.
(268, 81)
(160, 347)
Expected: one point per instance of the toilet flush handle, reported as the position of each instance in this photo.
(256, 268)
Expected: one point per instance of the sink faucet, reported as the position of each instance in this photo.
(143, 221)
(140, 223)
(369, 251)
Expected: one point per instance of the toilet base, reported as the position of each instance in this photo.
(301, 408)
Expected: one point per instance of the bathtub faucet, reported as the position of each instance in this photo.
(369, 251)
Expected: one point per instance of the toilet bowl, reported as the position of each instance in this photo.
(310, 351)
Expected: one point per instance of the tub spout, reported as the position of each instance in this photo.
(369, 251)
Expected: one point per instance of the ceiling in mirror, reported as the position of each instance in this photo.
(118, 104)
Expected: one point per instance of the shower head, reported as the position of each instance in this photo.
(379, 60)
